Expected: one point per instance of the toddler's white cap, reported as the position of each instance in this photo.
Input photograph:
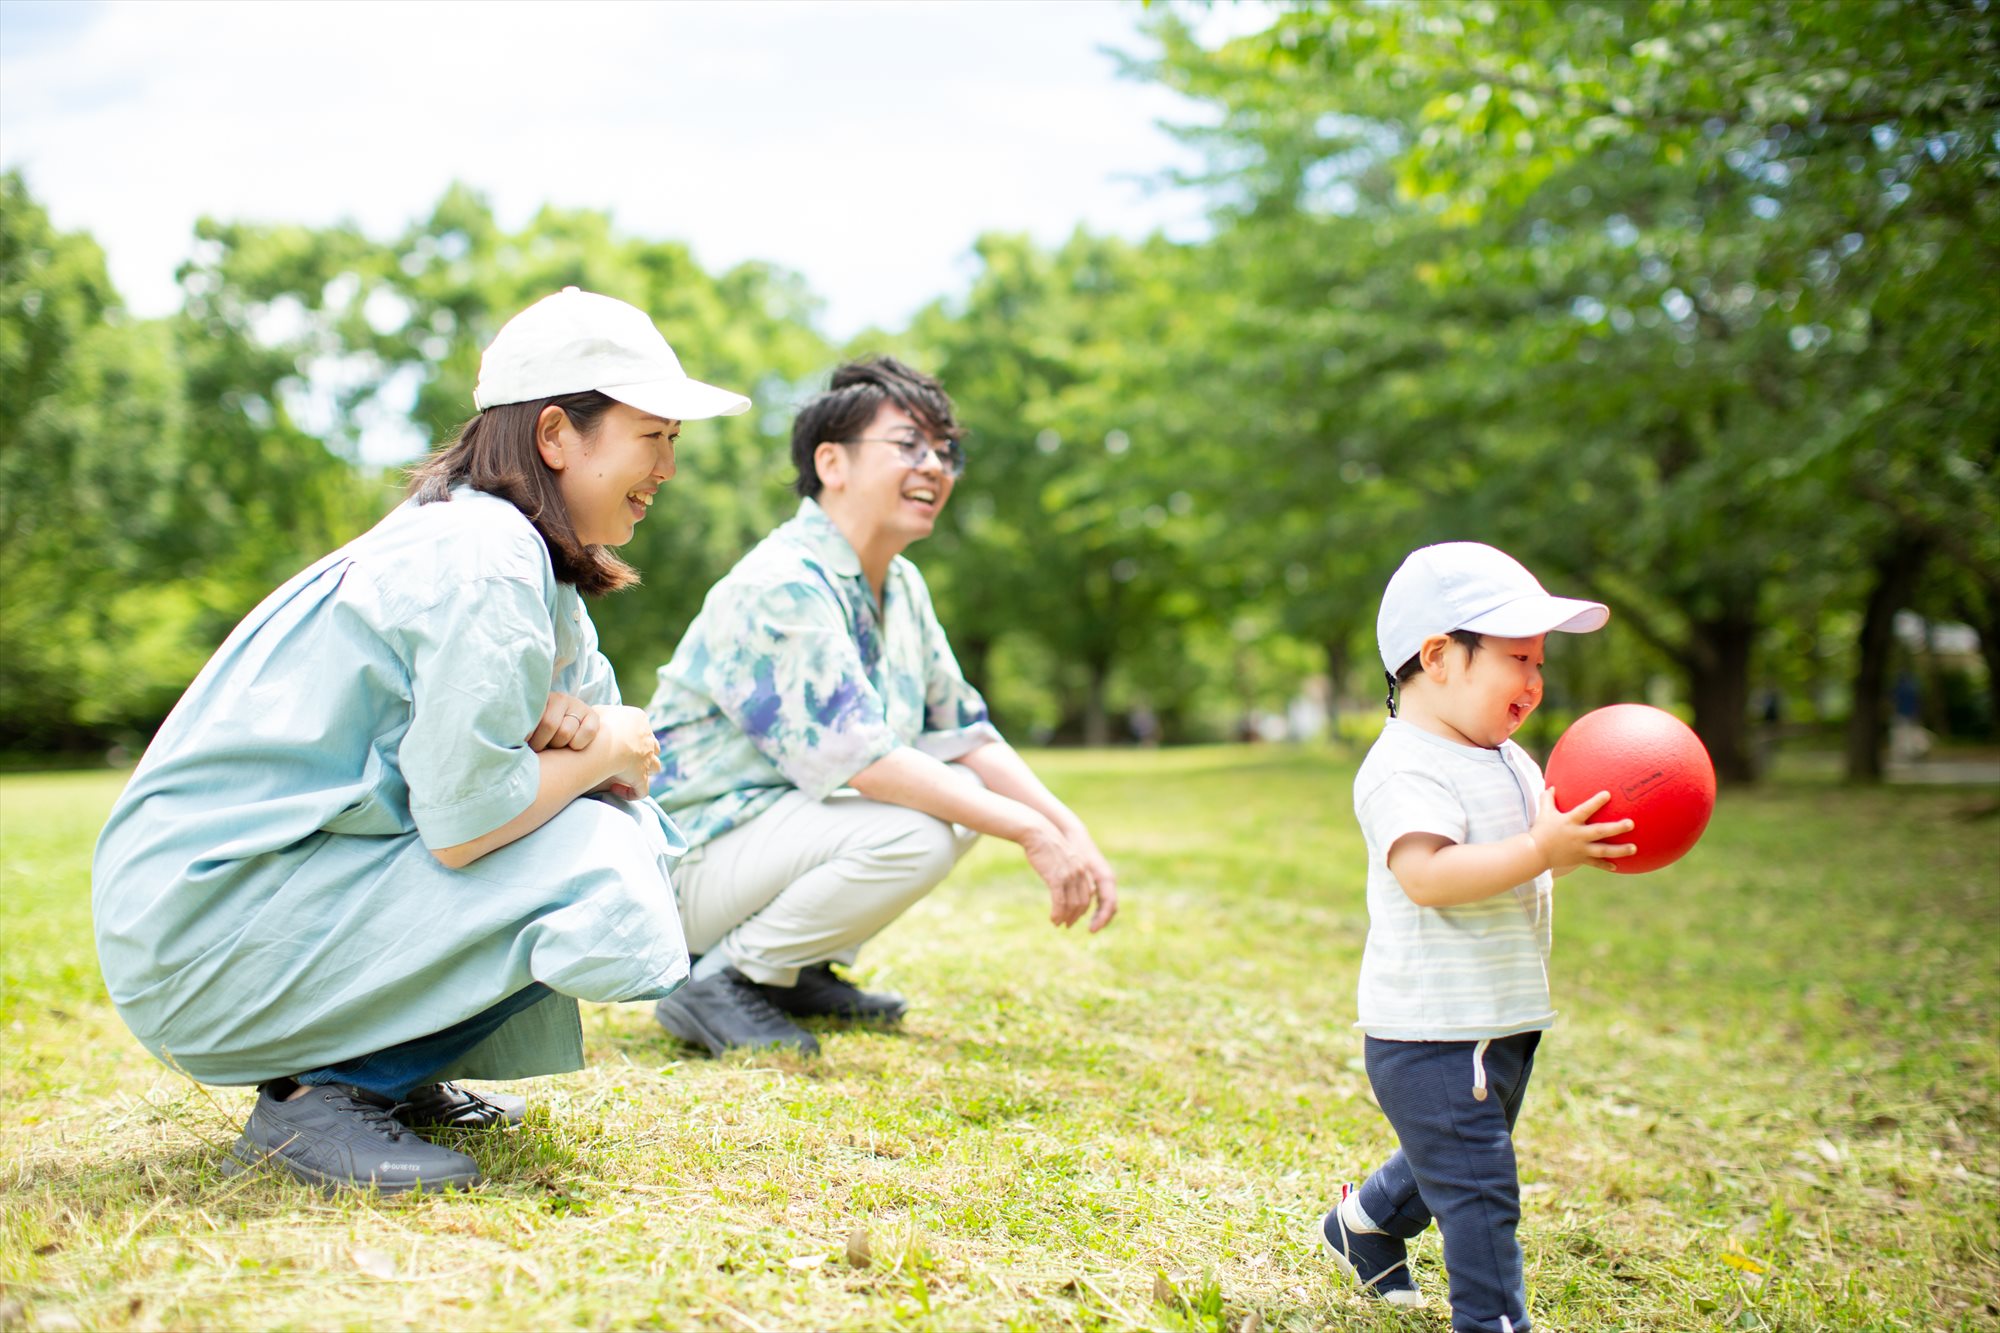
(576, 341)
(1471, 586)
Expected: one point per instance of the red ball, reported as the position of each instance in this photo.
(1657, 772)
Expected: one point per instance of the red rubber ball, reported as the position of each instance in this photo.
(1658, 774)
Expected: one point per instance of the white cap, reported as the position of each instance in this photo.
(1470, 586)
(576, 341)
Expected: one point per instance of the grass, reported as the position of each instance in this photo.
(1773, 1102)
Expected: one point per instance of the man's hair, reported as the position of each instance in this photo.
(495, 452)
(1403, 674)
(856, 393)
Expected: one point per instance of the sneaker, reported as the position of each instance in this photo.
(821, 993)
(730, 1012)
(1376, 1260)
(339, 1136)
(448, 1106)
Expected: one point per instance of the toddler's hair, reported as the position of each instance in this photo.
(1465, 638)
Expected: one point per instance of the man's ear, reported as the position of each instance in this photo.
(830, 462)
(555, 437)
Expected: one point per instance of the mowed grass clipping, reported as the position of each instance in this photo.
(1773, 1101)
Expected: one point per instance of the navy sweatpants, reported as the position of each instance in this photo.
(1456, 1164)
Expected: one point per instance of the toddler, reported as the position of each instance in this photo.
(1463, 843)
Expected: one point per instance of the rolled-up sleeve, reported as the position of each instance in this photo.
(785, 669)
(480, 666)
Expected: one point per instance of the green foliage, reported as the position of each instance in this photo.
(1689, 303)
(149, 497)
(366, 325)
(1686, 303)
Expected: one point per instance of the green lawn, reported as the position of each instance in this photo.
(1773, 1102)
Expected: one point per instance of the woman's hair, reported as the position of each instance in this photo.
(1403, 674)
(850, 403)
(495, 452)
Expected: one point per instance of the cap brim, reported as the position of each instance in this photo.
(679, 400)
(1525, 617)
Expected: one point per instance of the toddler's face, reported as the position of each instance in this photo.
(1487, 695)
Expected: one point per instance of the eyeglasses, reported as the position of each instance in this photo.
(913, 449)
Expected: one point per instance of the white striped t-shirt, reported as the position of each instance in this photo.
(1450, 973)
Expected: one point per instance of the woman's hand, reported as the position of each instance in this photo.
(567, 723)
(631, 749)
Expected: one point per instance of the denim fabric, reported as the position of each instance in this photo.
(1456, 1164)
(394, 1071)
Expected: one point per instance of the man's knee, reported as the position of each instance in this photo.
(923, 849)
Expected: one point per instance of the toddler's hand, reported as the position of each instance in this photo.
(1570, 840)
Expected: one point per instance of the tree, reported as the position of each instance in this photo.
(1654, 248)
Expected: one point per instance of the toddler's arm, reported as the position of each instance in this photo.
(1437, 872)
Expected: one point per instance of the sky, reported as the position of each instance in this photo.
(864, 143)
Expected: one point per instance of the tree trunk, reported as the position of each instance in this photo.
(1896, 571)
(1981, 609)
(1719, 687)
(1335, 651)
(1097, 722)
(973, 655)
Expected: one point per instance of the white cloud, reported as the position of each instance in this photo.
(865, 145)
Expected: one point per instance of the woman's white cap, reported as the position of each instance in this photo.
(576, 341)
(1471, 586)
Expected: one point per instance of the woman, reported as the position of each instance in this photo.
(358, 858)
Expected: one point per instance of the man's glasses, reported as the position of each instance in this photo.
(913, 449)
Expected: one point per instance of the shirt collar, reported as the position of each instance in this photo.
(824, 540)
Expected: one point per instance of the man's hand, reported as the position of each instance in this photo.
(1104, 877)
(567, 723)
(1077, 874)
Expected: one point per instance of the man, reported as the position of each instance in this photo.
(822, 752)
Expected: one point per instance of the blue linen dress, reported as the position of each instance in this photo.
(264, 893)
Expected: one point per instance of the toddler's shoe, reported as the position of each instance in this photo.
(1377, 1261)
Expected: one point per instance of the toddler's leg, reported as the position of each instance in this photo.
(1458, 1149)
(1390, 1198)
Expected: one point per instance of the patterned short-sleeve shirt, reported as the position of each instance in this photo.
(791, 678)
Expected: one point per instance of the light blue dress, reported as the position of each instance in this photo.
(265, 897)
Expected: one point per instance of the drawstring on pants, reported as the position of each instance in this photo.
(1479, 1070)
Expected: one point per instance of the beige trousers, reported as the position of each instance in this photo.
(811, 881)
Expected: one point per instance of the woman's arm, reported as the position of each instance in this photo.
(622, 747)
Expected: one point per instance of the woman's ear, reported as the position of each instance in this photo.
(554, 437)
(830, 461)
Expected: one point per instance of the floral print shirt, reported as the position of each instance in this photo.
(790, 677)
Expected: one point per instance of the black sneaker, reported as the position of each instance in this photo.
(1376, 1260)
(448, 1106)
(729, 1012)
(339, 1136)
(821, 993)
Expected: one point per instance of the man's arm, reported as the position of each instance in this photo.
(908, 777)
